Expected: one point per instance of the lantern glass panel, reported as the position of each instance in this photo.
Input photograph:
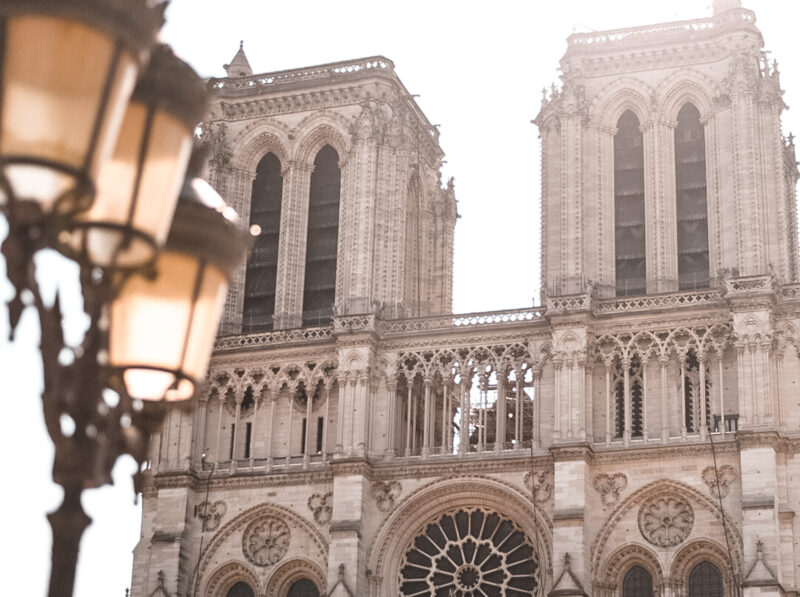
(54, 81)
(159, 325)
(137, 190)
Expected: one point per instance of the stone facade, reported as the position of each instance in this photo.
(551, 450)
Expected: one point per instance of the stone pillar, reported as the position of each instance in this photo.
(571, 483)
(760, 513)
(391, 419)
(292, 247)
(350, 494)
(660, 208)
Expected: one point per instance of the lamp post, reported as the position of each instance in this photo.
(96, 128)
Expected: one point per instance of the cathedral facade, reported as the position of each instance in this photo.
(637, 434)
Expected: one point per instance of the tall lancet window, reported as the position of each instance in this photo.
(322, 241)
(629, 231)
(262, 267)
(690, 185)
(413, 273)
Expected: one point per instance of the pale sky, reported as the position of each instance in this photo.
(478, 69)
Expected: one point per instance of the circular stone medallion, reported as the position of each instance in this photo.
(265, 541)
(666, 521)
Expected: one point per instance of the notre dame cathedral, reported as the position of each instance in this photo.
(636, 435)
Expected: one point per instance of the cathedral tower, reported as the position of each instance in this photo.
(635, 435)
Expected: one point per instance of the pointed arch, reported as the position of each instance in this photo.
(705, 550)
(292, 571)
(262, 264)
(414, 511)
(625, 558)
(625, 94)
(257, 140)
(686, 86)
(322, 238)
(600, 560)
(630, 244)
(320, 129)
(315, 548)
(229, 574)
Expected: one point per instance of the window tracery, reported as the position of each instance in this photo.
(469, 552)
(262, 265)
(637, 583)
(303, 588)
(322, 240)
(629, 212)
(705, 580)
(691, 200)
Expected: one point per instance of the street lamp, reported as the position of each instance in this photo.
(94, 168)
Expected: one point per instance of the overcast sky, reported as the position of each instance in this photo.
(478, 72)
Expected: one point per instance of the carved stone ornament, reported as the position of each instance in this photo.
(541, 484)
(211, 514)
(265, 541)
(666, 521)
(610, 487)
(321, 507)
(385, 494)
(726, 474)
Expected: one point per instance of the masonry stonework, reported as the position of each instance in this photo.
(627, 437)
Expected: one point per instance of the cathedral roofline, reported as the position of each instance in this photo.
(614, 40)
(315, 75)
(333, 74)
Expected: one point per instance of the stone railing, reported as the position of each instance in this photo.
(662, 301)
(317, 334)
(790, 292)
(323, 71)
(678, 29)
(749, 284)
(447, 322)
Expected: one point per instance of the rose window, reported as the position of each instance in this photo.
(265, 541)
(470, 552)
(666, 521)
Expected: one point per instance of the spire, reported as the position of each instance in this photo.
(721, 6)
(239, 66)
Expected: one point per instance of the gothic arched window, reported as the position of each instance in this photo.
(705, 580)
(629, 229)
(690, 200)
(262, 266)
(240, 589)
(637, 583)
(322, 242)
(636, 388)
(303, 588)
(697, 398)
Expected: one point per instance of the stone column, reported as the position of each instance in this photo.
(391, 419)
(463, 434)
(660, 207)
(292, 247)
(663, 360)
(273, 398)
(426, 429)
(500, 412)
(571, 482)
